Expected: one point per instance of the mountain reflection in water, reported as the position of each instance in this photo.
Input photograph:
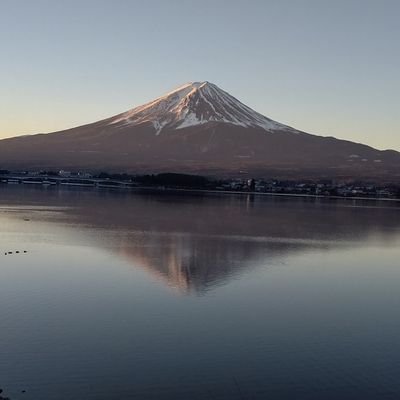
(195, 243)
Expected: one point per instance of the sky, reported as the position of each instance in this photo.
(325, 67)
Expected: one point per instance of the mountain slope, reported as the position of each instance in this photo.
(198, 128)
(196, 103)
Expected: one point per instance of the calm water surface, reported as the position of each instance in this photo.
(124, 296)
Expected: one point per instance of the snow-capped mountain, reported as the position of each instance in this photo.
(196, 103)
(198, 128)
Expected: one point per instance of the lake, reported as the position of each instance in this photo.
(117, 295)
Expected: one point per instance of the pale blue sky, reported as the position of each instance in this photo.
(326, 67)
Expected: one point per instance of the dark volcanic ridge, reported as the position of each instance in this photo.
(198, 128)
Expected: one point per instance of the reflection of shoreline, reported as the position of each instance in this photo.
(268, 194)
(158, 190)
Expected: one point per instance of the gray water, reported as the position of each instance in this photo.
(157, 296)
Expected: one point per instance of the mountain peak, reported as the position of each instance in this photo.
(198, 85)
(196, 103)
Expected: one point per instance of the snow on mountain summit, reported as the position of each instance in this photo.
(196, 103)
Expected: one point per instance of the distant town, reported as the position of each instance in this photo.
(177, 181)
